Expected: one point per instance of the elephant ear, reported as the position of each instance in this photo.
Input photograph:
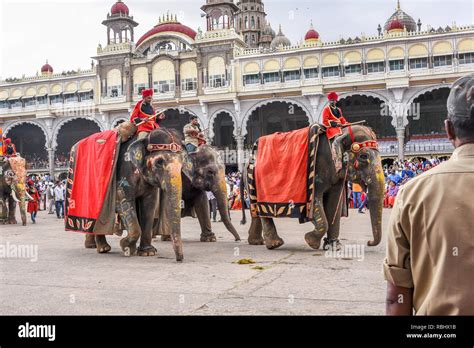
(188, 165)
(136, 152)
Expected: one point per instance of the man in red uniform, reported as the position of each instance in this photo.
(333, 118)
(144, 115)
(10, 149)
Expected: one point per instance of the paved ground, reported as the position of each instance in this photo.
(295, 279)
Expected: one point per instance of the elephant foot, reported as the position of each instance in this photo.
(128, 248)
(12, 222)
(166, 238)
(332, 243)
(274, 243)
(256, 241)
(313, 239)
(89, 243)
(146, 251)
(208, 238)
(102, 249)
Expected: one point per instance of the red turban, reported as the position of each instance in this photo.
(147, 93)
(333, 96)
(31, 182)
(8, 141)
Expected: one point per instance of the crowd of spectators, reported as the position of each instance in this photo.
(40, 162)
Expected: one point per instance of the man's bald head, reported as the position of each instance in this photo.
(460, 122)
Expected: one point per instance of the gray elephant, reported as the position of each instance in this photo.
(12, 189)
(362, 165)
(144, 167)
(203, 170)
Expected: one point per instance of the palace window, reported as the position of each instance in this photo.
(29, 101)
(311, 73)
(139, 87)
(443, 60)
(216, 81)
(189, 84)
(375, 67)
(3, 104)
(292, 75)
(330, 71)
(353, 69)
(114, 91)
(163, 86)
(16, 103)
(466, 58)
(84, 96)
(56, 99)
(418, 63)
(271, 77)
(251, 79)
(398, 64)
(70, 97)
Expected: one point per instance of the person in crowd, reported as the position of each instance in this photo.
(212, 205)
(429, 261)
(390, 195)
(59, 199)
(192, 134)
(50, 197)
(356, 195)
(33, 204)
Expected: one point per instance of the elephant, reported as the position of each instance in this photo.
(12, 189)
(146, 166)
(361, 165)
(203, 171)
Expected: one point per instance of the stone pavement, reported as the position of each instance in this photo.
(65, 278)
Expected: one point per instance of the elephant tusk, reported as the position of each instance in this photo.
(14, 197)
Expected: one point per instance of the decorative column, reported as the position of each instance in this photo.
(51, 154)
(239, 139)
(401, 142)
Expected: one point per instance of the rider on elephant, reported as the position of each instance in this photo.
(193, 136)
(10, 149)
(144, 115)
(333, 118)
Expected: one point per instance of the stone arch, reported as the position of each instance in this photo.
(27, 142)
(117, 121)
(60, 124)
(243, 124)
(350, 94)
(292, 120)
(183, 118)
(425, 90)
(212, 119)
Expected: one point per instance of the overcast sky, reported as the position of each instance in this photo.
(67, 32)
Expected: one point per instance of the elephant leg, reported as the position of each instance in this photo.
(89, 242)
(11, 211)
(272, 239)
(320, 222)
(255, 232)
(147, 217)
(128, 215)
(102, 245)
(201, 206)
(333, 210)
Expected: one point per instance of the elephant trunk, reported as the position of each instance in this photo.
(171, 205)
(376, 195)
(220, 192)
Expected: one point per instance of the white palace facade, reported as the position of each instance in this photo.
(243, 80)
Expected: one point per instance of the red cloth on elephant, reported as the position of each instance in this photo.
(285, 156)
(329, 116)
(92, 173)
(33, 206)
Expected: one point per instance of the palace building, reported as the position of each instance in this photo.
(244, 79)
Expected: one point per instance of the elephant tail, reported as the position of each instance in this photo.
(242, 199)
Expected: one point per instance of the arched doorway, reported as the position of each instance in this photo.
(30, 142)
(176, 119)
(360, 107)
(224, 131)
(117, 122)
(432, 107)
(274, 117)
(69, 134)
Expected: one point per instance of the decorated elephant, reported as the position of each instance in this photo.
(12, 189)
(144, 167)
(203, 170)
(361, 163)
